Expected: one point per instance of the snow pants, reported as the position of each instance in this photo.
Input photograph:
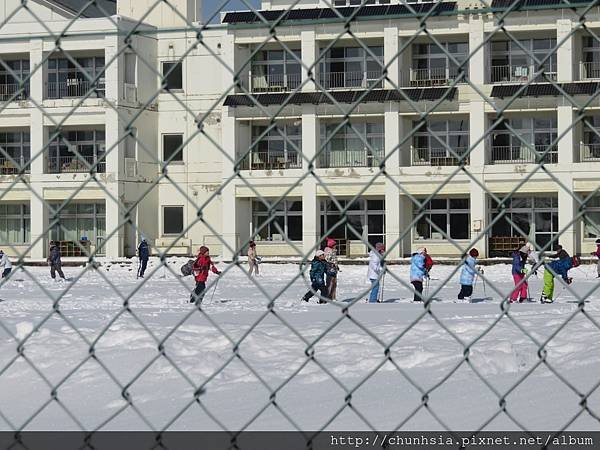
(6, 272)
(598, 267)
(253, 265)
(520, 292)
(198, 294)
(331, 286)
(56, 268)
(374, 295)
(418, 290)
(548, 284)
(314, 287)
(466, 290)
(142, 269)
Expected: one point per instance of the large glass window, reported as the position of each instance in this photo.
(534, 216)
(17, 146)
(346, 67)
(363, 221)
(172, 220)
(432, 65)
(283, 222)
(172, 147)
(77, 221)
(512, 62)
(172, 73)
(590, 149)
(355, 144)
(9, 82)
(431, 142)
(591, 58)
(65, 79)
(275, 147)
(450, 215)
(509, 147)
(591, 219)
(75, 151)
(15, 223)
(275, 70)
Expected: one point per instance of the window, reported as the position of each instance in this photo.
(15, 223)
(275, 147)
(431, 63)
(130, 68)
(450, 215)
(78, 220)
(283, 222)
(591, 58)
(172, 219)
(76, 150)
(131, 144)
(509, 62)
(591, 218)
(172, 147)
(355, 144)
(173, 75)
(65, 79)
(276, 69)
(431, 142)
(590, 150)
(508, 146)
(364, 219)
(16, 145)
(342, 67)
(9, 82)
(542, 212)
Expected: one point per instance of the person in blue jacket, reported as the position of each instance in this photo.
(467, 276)
(558, 267)
(418, 272)
(144, 255)
(55, 261)
(318, 268)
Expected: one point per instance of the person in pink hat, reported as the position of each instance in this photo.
(332, 267)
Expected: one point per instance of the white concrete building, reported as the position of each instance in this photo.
(225, 151)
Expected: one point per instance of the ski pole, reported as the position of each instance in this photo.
(381, 290)
(484, 292)
(214, 290)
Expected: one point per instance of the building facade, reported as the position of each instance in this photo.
(232, 132)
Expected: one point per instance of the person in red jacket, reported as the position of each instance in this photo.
(428, 263)
(201, 267)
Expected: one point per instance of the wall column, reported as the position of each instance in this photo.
(565, 125)
(564, 53)
(476, 63)
(310, 205)
(392, 192)
(391, 46)
(477, 160)
(228, 201)
(309, 53)
(566, 212)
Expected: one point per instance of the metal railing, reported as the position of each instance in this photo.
(589, 152)
(351, 158)
(275, 82)
(523, 155)
(8, 167)
(589, 70)
(428, 156)
(8, 91)
(520, 74)
(438, 76)
(271, 161)
(344, 80)
(74, 164)
(74, 87)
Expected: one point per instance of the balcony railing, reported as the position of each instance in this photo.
(523, 155)
(8, 91)
(275, 82)
(74, 87)
(430, 77)
(437, 156)
(344, 80)
(7, 167)
(589, 152)
(70, 164)
(519, 74)
(351, 158)
(589, 70)
(270, 161)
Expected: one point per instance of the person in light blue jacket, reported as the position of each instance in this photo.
(418, 272)
(468, 274)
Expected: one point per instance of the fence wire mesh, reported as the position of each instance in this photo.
(309, 115)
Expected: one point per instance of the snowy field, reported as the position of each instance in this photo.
(350, 362)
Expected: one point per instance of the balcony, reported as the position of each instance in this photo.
(519, 74)
(74, 87)
(8, 167)
(270, 161)
(437, 156)
(523, 155)
(275, 82)
(75, 164)
(351, 158)
(589, 71)
(589, 152)
(346, 80)
(10, 92)
(430, 77)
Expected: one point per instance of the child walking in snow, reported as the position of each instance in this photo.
(252, 258)
(418, 271)
(519, 272)
(597, 255)
(318, 267)
(5, 264)
(467, 276)
(558, 267)
(375, 268)
(200, 268)
(332, 267)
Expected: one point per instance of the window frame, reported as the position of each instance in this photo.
(163, 74)
(181, 148)
(99, 214)
(286, 212)
(20, 150)
(24, 217)
(373, 153)
(448, 211)
(364, 212)
(178, 234)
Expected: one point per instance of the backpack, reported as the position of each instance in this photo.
(187, 268)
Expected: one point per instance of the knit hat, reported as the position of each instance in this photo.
(380, 247)
(598, 241)
(319, 253)
(474, 253)
(203, 250)
(331, 243)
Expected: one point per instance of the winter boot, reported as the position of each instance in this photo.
(545, 299)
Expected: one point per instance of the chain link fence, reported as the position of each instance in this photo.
(446, 125)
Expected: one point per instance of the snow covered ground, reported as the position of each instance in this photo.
(135, 351)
